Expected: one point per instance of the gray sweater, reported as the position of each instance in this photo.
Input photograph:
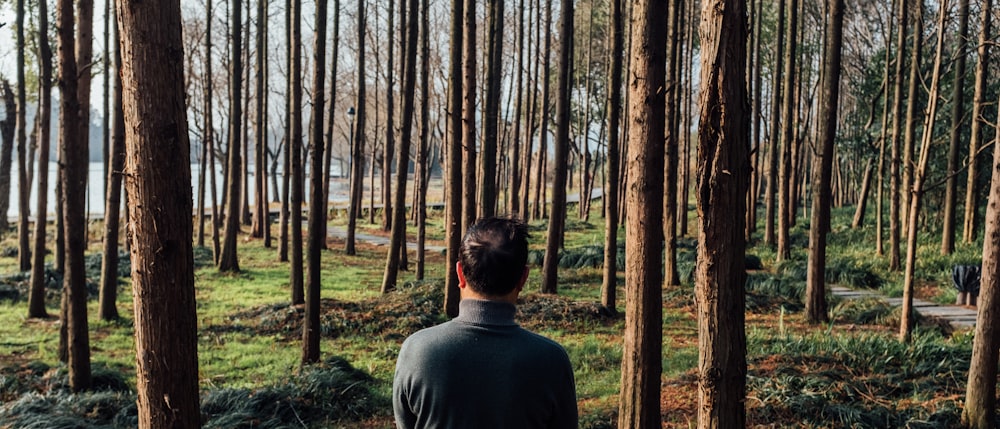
(480, 371)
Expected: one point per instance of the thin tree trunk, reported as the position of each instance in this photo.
(23, 183)
(390, 134)
(36, 300)
(317, 203)
(911, 111)
(859, 212)
(671, 277)
(228, 260)
(454, 218)
(423, 165)
(469, 207)
(74, 157)
(897, 123)
(639, 401)
(971, 218)
(609, 287)
(957, 120)
(261, 216)
(787, 135)
(358, 138)
(109, 264)
(919, 177)
(557, 218)
(491, 121)
(776, 93)
(295, 274)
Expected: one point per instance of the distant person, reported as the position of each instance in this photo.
(481, 370)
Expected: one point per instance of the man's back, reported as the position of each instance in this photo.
(481, 370)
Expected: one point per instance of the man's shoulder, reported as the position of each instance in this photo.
(545, 343)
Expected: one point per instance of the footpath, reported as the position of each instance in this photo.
(958, 316)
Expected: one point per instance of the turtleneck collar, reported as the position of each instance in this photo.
(483, 312)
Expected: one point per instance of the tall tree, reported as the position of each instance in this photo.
(910, 134)
(514, 202)
(423, 165)
(332, 112)
(228, 260)
(159, 181)
(786, 137)
(919, 178)
(671, 149)
(261, 215)
(295, 275)
(639, 400)
(109, 264)
(957, 120)
(617, 47)
(317, 202)
(982, 66)
(358, 140)
(772, 163)
(390, 132)
(469, 207)
(980, 394)
(823, 165)
(23, 187)
(73, 154)
(723, 179)
(36, 299)
(895, 188)
(454, 221)
(491, 120)
(557, 216)
(397, 242)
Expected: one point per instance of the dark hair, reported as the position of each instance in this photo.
(493, 254)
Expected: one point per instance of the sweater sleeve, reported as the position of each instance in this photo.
(566, 416)
(405, 417)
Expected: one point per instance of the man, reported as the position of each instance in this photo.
(481, 370)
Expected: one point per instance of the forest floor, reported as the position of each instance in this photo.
(850, 372)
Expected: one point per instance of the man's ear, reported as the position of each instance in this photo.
(461, 275)
(524, 279)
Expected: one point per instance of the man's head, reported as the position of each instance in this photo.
(493, 257)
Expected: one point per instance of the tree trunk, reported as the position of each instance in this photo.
(358, 141)
(73, 152)
(422, 173)
(23, 183)
(859, 212)
(980, 394)
(295, 274)
(454, 218)
(331, 114)
(397, 243)
(390, 135)
(261, 219)
(228, 260)
(772, 163)
(8, 128)
(919, 177)
(317, 202)
(819, 224)
(895, 187)
(609, 286)
(557, 216)
(159, 182)
(671, 277)
(491, 121)
(911, 110)
(538, 209)
(971, 218)
(639, 401)
(787, 135)
(109, 264)
(957, 120)
(36, 300)
(469, 207)
(883, 135)
(723, 176)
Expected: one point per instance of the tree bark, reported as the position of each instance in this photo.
(911, 112)
(357, 153)
(980, 394)
(23, 184)
(672, 112)
(469, 167)
(957, 120)
(422, 174)
(639, 400)
(772, 163)
(390, 134)
(787, 135)
(109, 264)
(859, 212)
(919, 177)
(36, 299)
(317, 201)
(261, 215)
(971, 218)
(723, 176)
(295, 274)
(895, 187)
(491, 121)
(557, 216)
(159, 187)
(454, 218)
(73, 153)
(228, 259)
(609, 286)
